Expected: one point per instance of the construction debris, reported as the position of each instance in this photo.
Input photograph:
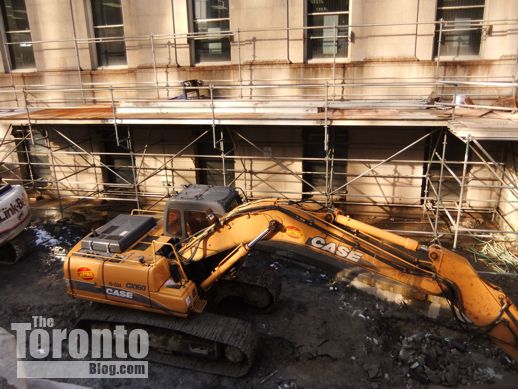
(499, 255)
(430, 359)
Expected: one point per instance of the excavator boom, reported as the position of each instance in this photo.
(327, 232)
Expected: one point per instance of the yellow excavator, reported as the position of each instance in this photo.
(173, 263)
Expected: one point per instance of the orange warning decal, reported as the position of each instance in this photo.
(85, 273)
(294, 232)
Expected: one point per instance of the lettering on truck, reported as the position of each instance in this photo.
(13, 209)
(334, 248)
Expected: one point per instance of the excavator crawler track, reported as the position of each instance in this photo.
(227, 338)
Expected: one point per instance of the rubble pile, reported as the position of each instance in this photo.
(431, 359)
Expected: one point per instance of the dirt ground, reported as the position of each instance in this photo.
(322, 333)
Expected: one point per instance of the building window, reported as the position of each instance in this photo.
(109, 32)
(117, 157)
(212, 169)
(314, 165)
(210, 19)
(462, 30)
(18, 34)
(33, 155)
(324, 40)
(453, 158)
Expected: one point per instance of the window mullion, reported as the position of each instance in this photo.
(109, 26)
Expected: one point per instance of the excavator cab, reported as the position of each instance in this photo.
(187, 213)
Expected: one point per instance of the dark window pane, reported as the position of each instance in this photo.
(457, 3)
(109, 51)
(15, 19)
(328, 5)
(122, 166)
(22, 54)
(112, 50)
(460, 43)
(321, 41)
(106, 12)
(212, 27)
(461, 16)
(116, 33)
(39, 158)
(450, 189)
(195, 221)
(315, 174)
(211, 168)
(110, 54)
(15, 15)
(210, 9)
(211, 48)
(212, 171)
(174, 226)
(465, 40)
(315, 171)
(327, 21)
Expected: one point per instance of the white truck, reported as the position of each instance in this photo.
(15, 216)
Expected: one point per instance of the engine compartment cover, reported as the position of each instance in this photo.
(118, 234)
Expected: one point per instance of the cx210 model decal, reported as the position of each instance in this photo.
(334, 248)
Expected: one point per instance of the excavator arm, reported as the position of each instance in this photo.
(479, 303)
(476, 301)
(312, 231)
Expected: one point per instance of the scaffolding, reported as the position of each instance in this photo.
(39, 136)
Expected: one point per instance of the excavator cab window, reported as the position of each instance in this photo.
(236, 200)
(195, 221)
(174, 222)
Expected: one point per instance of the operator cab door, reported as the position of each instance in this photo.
(125, 281)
